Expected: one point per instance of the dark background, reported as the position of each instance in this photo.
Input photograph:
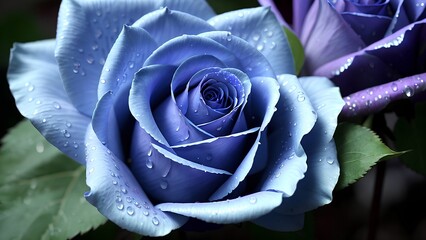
(402, 208)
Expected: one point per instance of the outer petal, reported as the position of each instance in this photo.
(294, 118)
(230, 211)
(326, 36)
(86, 32)
(166, 24)
(315, 189)
(118, 196)
(376, 98)
(260, 28)
(37, 87)
(251, 61)
(384, 61)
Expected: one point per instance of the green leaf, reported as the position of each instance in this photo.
(296, 49)
(41, 190)
(411, 135)
(358, 150)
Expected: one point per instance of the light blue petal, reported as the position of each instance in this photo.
(86, 32)
(166, 24)
(251, 61)
(39, 94)
(229, 211)
(150, 85)
(117, 195)
(179, 49)
(261, 107)
(323, 168)
(261, 29)
(294, 118)
(201, 9)
(281, 222)
(126, 57)
(167, 177)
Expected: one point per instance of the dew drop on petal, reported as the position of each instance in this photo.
(155, 221)
(148, 163)
(330, 160)
(163, 184)
(394, 87)
(409, 92)
(120, 206)
(130, 211)
(253, 200)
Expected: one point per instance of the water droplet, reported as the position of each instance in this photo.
(219, 129)
(260, 47)
(277, 175)
(68, 124)
(130, 211)
(301, 97)
(155, 221)
(30, 88)
(164, 184)
(209, 157)
(56, 105)
(177, 128)
(123, 190)
(120, 206)
(394, 87)
(253, 200)
(114, 182)
(409, 92)
(148, 163)
(273, 45)
(75, 145)
(91, 170)
(66, 133)
(228, 37)
(330, 160)
(103, 81)
(95, 47)
(90, 59)
(256, 37)
(76, 67)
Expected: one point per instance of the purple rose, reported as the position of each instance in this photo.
(179, 113)
(373, 50)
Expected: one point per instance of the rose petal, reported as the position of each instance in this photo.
(396, 56)
(177, 50)
(126, 57)
(39, 94)
(86, 32)
(166, 24)
(316, 188)
(170, 178)
(117, 195)
(320, 45)
(250, 61)
(371, 28)
(376, 98)
(218, 152)
(260, 28)
(230, 211)
(294, 118)
(263, 98)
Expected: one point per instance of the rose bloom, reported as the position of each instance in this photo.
(179, 113)
(374, 50)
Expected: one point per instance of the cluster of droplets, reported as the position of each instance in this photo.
(150, 165)
(395, 42)
(342, 68)
(262, 40)
(376, 98)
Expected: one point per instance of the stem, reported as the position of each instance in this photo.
(375, 203)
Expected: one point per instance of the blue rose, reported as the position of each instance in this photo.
(178, 113)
